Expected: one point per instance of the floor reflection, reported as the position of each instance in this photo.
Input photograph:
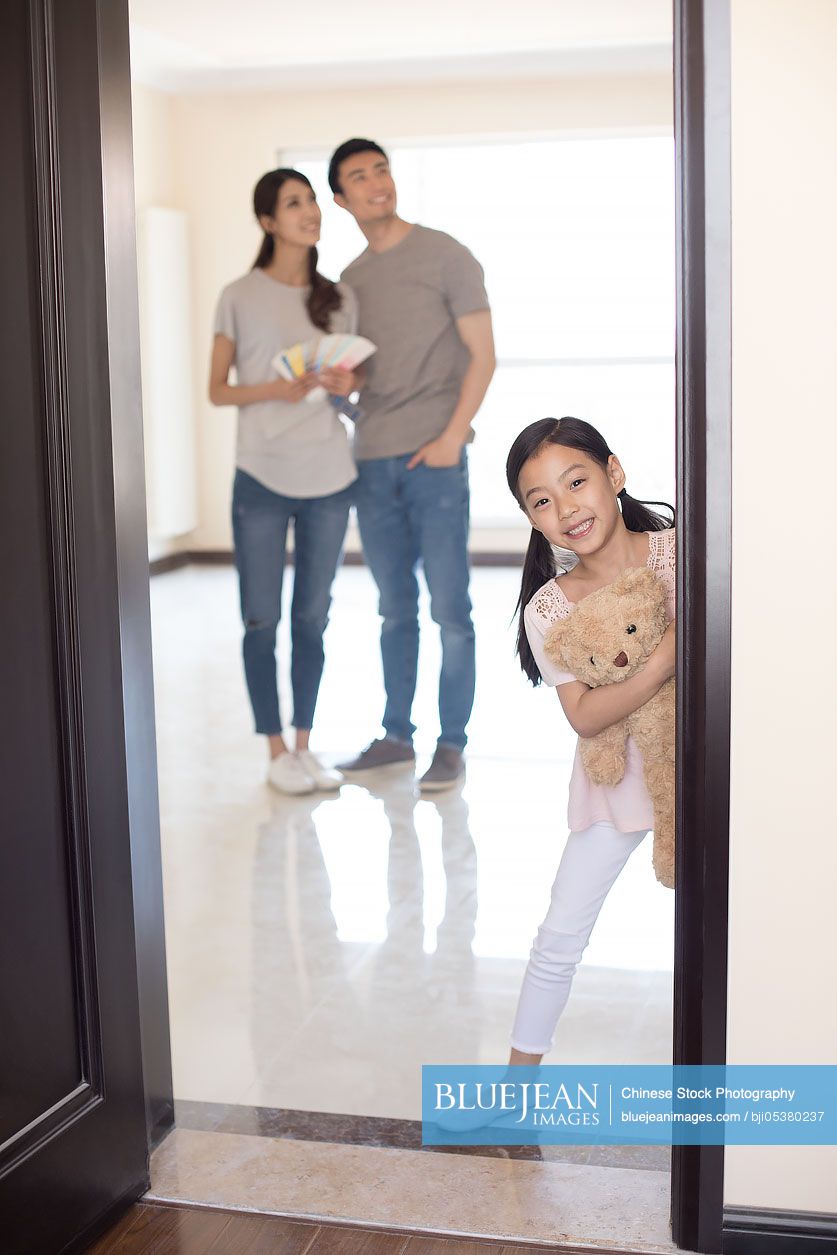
(329, 993)
(321, 949)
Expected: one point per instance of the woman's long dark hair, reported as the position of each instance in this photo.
(539, 563)
(324, 297)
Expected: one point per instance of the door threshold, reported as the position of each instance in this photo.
(551, 1204)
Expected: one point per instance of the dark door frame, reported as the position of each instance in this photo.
(78, 763)
(704, 560)
(702, 98)
(132, 561)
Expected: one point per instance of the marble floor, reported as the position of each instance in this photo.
(547, 1203)
(321, 949)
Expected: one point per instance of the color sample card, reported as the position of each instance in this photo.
(332, 351)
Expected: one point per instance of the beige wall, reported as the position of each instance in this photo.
(783, 843)
(154, 184)
(153, 156)
(212, 148)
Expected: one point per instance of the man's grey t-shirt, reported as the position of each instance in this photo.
(409, 298)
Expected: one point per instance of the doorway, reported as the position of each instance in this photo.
(415, 156)
(190, 119)
(699, 1007)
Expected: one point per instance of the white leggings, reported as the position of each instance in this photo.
(591, 861)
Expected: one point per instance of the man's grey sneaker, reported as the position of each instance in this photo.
(381, 753)
(446, 770)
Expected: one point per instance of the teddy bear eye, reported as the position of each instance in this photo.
(631, 627)
(593, 660)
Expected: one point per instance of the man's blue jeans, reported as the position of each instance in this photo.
(260, 528)
(406, 517)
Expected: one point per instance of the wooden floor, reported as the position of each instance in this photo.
(151, 1229)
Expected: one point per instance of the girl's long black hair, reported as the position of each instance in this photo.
(539, 564)
(324, 297)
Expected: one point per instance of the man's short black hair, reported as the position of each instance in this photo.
(349, 149)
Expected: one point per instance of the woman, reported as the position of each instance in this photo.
(293, 461)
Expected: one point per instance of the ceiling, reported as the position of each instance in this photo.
(250, 45)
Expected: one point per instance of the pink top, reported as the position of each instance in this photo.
(626, 805)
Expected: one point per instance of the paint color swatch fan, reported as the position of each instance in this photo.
(333, 351)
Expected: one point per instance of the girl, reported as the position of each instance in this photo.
(293, 461)
(572, 489)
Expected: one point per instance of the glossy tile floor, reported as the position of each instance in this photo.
(321, 949)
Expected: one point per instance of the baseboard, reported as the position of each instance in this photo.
(215, 557)
(772, 1231)
(224, 557)
(171, 562)
(160, 1121)
(106, 1220)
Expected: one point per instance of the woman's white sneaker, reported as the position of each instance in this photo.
(323, 777)
(287, 774)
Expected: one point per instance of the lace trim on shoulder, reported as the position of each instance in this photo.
(663, 551)
(549, 603)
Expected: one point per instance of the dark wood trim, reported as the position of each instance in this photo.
(704, 482)
(106, 1221)
(132, 561)
(772, 1231)
(170, 562)
(55, 438)
(224, 557)
(215, 557)
(779, 1219)
(77, 1136)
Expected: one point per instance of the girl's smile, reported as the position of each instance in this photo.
(580, 530)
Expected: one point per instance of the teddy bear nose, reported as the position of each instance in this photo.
(621, 660)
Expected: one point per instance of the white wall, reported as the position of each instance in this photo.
(154, 185)
(165, 303)
(783, 845)
(212, 148)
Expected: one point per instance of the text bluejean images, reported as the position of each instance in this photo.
(628, 1104)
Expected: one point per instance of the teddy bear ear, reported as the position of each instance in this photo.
(636, 580)
(553, 644)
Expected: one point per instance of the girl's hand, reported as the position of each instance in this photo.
(293, 390)
(591, 710)
(664, 656)
(338, 381)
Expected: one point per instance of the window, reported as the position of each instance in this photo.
(577, 240)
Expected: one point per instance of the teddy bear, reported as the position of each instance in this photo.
(607, 637)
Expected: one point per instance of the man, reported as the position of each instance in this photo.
(422, 301)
